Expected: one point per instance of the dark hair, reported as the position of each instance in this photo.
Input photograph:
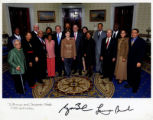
(49, 28)
(136, 29)
(89, 33)
(125, 32)
(27, 33)
(49, 35)
(100, 24)
(57, 26)
(16, 28)
(67, 31)
(67, 23)
(85, 28)
(75, 24)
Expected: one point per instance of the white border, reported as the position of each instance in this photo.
(143, 107)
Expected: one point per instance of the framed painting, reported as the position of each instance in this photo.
(97, 15)
(46, 16)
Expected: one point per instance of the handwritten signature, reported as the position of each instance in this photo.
(99, 109)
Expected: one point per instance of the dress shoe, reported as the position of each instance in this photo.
(64, 74)
(90, 74)
(102, 77)
(119, 82)
(127, 86)
(74, 72)
(41, 82)
(80, 72)
(87, 74)
(134, 91)
(33, 86)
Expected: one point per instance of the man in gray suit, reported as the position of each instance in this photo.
(98, 37)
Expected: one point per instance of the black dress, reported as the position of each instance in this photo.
(30, 57)
(89, 50)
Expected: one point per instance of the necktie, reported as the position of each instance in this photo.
(132, 41)
(114, 35)
(98, 35)
(107, 43)
(43, 43)
(75, 36)
(58, 39)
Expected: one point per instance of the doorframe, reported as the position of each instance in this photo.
(31, 13)
(71, 6)
(121, 5)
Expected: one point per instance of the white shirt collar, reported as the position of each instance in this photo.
(17, 36)
(76, 33)
(36, 32)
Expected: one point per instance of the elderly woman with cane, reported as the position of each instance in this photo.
(16, 60)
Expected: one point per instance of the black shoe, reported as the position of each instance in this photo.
(64, 74)
(102, 77)
(134, 91)
(90, 74)
(60, 74)
(74, 72)
(41, 82)
(87, 74)
(80, 72)
(127, 86)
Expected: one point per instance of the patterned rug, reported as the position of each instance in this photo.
(75, 87)
(100, 88)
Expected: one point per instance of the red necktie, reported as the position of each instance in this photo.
(107, 43)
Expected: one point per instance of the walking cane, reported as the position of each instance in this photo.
(22, 83)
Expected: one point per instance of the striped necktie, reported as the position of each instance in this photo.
(58, 38)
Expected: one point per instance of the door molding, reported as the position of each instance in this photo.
(31, 13)
(121, 5)
(71, 6)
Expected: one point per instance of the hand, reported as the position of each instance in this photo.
(101, 58)
(138, 65)
(113, 60)
(18, 68)
(47, 55)
(36, 59)
(123, 60)
(85, 55)
(30, 64)
(74, 58)
(62, 59)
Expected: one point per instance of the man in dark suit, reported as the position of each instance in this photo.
(58, 36)
(108, 55)
(77, 64)
(116, 32)
(136, 53)
(35, 31)
(40, 57)
(16, 35)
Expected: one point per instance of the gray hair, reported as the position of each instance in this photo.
(110, 30)
(16, 40)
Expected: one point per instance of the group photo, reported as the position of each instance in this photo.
(76, 50)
